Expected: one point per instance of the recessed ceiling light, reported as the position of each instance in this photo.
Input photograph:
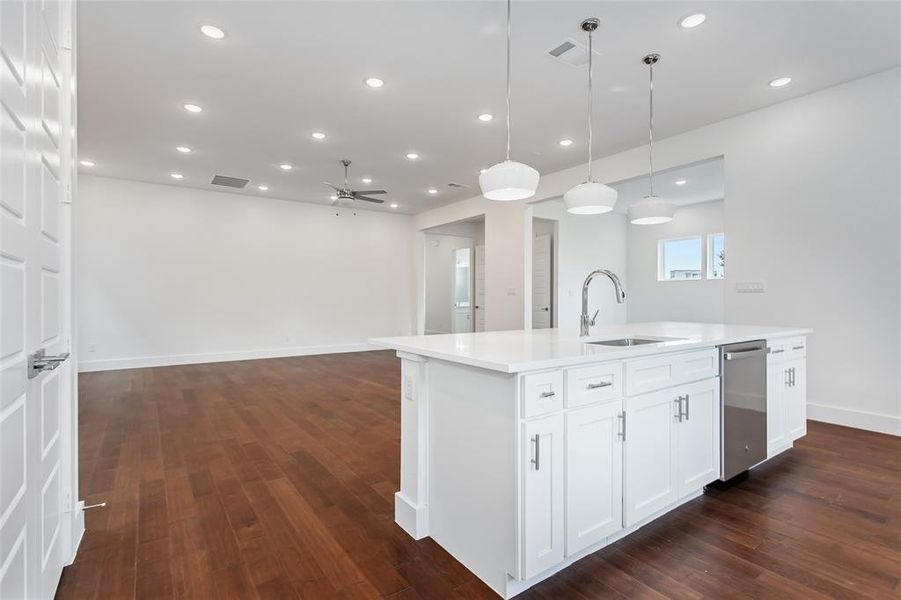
(366, 180)
(485, 117)
(193, 108)
(318, 135)
(285, 167)
(374, 82)
(262, 188)
(333, 197)
(176, 175)
(692, 20)
(433, 191)
(183, 149)
(412, 155)
(393, 205)
(565, 143)
(211, 31)
(681, 182)
(780, 81)
(86, 163)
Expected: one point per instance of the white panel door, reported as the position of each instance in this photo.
(34, 134)
(542, 284)
(542, 505)
(650, 464)
(698, 436)
(795, 399)
(594, 475)
(479, 288)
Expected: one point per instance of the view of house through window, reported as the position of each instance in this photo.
(684, 258)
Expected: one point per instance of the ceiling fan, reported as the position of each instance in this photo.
(346, 196)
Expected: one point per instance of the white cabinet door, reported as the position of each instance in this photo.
(594, 475)
(542, 508)
(795, 399)
(776, 380)
(650, 447)
(698, 435)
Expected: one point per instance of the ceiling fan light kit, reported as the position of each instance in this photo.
(509, 180)
(651, 210)
(346, 196)
(590, 197)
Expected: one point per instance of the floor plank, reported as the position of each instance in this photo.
(275, 479)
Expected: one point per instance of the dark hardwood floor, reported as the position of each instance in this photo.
(275, 479)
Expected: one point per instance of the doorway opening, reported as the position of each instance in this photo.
(455, 277)
(544, 237)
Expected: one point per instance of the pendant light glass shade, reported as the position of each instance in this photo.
(651, 210)
(509, 180)
(590, 197)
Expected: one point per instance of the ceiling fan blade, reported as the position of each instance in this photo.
(332, 185)
(369, 192)
(377, 200)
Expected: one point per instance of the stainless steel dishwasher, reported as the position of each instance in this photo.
(743, 380)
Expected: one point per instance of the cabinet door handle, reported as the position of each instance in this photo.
(622, 433)
(603, 384)
(794, 380)
(687, 404)
(548, 394)
(788, 377)
(536, 439)
(678, 402)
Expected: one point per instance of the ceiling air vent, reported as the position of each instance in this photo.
(232, 182)
(571, 53)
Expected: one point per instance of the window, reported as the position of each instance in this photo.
(680, 259)
(716, 256)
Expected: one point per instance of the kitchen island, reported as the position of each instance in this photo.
(524, 451)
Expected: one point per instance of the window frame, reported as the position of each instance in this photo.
(709, 256)
(661, 257)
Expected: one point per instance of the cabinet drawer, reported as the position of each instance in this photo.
(658, 372)
(542, 393)
(594, 383)
(786, 349)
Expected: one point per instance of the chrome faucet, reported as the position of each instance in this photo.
(587, 322)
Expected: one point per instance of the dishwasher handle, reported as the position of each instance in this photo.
(737, 354)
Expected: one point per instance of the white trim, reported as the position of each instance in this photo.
(412, 518)
(139, 362)
(858, 419)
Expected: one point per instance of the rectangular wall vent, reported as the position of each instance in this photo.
(571, 53)
(232, 182)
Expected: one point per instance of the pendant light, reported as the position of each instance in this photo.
(651, 210)
(509, 180)
(590, 197)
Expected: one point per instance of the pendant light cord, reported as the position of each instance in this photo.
(651, 132)
(590, 100)
(509, 34)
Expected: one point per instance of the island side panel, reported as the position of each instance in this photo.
(472, 457)
(411, 503)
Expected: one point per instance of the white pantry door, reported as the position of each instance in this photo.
(541, 282)
(36, 433)
(479, 291)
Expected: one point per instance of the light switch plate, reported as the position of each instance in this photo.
(750, 287)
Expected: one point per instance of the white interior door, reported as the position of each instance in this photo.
(35, 413)
(462, 290)
(542, 284)
(479, 288)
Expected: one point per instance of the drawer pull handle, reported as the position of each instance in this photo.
(778, 351)
(548, 394)
(603, 384)
(797, 347)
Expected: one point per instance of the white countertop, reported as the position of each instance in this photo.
(516, 351)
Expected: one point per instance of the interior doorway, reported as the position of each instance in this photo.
(455, 278)
(543, 304)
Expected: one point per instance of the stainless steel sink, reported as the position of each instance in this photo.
(624, 342)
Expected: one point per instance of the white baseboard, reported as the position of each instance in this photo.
(140, 362)
(859, 419)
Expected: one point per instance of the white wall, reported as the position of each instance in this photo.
(682, 300)
(171, 275)
(813, 210)
(439, 269)
(585, 243)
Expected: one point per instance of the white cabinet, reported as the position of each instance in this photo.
(594, 475)
(650, 454)
(672, 446)
(542, 505)
(698, 436)
(786, 394)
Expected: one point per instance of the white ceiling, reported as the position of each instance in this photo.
(288, 69)
(704, 182)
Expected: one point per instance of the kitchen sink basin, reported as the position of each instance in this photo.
(624, 342)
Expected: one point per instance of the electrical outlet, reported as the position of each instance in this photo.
(408, 387)
(750, 287)
(92, 347)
